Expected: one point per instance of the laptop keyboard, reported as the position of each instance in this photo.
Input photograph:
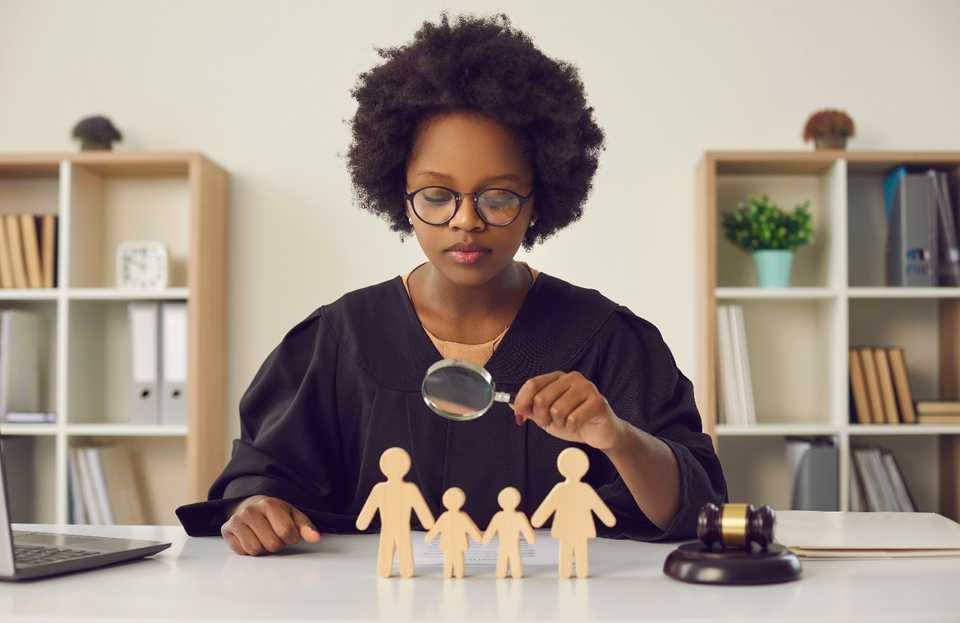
(32, 555)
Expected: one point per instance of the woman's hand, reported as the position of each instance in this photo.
(568, 406)
(261, 524)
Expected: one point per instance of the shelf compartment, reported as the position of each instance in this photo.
(28, 463)
(761, 473)
(115, 204)
(816, 265)
(159, 471)
(867, 223)
(790, 372)
(48, 377)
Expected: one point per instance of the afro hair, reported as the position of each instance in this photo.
(481, 64)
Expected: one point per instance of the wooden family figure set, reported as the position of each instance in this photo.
(571, 502)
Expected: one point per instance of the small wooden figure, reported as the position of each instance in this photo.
(509, 524)
(573, 502)
(454, 527)
(395, 498)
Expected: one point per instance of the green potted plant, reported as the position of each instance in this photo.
(828, 129)
(760, 227)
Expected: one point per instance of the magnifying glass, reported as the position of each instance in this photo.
(460, 390)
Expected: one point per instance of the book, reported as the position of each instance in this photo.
(742, 357)
(886, 386)
(729, 411)
(124, 497)
(29, 417)
(902, 494)
(49, 250)
(90, 504)
(871, 488)
(6, 267)
(939, 418)
(901, 381)
(882, 476)
(857, 502)
(31, 250)
(98, 481)
(873, 384)
(78, 513)
(858, 389)
(929, 407)
(16, 251)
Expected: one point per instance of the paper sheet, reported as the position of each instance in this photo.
(543, 552)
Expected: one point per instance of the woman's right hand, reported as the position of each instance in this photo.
(261, 524)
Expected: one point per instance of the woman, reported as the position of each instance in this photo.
(476, 142)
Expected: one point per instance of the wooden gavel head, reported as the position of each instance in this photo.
(735, 526)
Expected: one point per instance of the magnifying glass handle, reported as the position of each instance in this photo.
(503, 397)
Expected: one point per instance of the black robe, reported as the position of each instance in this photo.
(344, 385)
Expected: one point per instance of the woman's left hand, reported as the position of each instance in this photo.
(568, 406)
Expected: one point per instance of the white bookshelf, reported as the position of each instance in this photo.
(798, 337)
(103, 199)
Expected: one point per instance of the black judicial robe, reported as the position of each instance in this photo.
(344, 385)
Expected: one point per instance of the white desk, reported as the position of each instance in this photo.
(200, 579)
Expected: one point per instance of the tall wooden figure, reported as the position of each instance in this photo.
(395, 498)
(509, 524)
(454, 527)
(573, 502)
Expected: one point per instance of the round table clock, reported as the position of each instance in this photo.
(142, 265)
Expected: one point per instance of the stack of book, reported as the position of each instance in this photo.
(880, 387)
(876, 482)
(938, 412)
(102, 488)
(737, 404)
(28, 251)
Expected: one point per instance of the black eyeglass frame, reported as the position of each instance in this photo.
(458, 199)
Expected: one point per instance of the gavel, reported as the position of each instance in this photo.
(735, 526)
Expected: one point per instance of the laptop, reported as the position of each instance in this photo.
(29, 555)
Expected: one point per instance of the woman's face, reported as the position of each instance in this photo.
(468, 151)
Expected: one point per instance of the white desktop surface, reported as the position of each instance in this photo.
(201, 579)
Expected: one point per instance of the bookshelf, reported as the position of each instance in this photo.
(101, 200)
(798, 337)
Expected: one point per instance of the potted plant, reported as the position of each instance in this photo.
(96, 133)
(829, 129)
(760, 227)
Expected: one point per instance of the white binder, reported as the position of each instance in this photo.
(145, 362)
(173, 385)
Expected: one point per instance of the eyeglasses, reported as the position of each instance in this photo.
(437, 205)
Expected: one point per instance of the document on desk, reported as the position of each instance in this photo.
(543, 552)
(840, 535)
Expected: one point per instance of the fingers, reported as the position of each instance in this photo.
(523, 401)
(263, 524)
(305, 527)
(281, 519)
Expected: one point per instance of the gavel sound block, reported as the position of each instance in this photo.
(735, 546)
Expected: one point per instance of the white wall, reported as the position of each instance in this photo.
(263, 88)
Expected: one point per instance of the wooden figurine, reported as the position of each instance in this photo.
(395, 498)
(572, 502)
(454, 527)
(508, 524)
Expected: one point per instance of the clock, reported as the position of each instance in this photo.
(142, 265)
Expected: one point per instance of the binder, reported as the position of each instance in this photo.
(950, 249)
(912, 247)
(173, 385)
(145, 364)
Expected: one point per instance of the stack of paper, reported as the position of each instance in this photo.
(867, 535)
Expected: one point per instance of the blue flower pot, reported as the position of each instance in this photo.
(773, 267)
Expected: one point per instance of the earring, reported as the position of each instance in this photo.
(533, 222)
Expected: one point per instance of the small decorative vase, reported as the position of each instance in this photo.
(830, 141)
(773, 267)
(94, 145)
